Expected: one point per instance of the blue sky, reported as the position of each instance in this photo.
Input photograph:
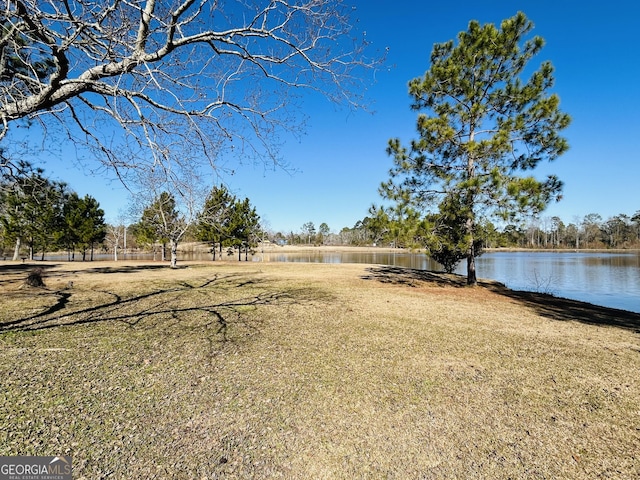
(341, 159)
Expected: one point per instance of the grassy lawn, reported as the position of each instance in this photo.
(286, 370)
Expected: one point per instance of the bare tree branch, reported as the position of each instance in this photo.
(214, 73)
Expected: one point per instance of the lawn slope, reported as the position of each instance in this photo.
(252, 370)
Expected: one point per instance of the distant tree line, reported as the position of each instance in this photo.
(410, 230)
(592, 232)
(40, 216)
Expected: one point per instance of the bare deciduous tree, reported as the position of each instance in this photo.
(168, 207)
(192, 76)
(114, 237)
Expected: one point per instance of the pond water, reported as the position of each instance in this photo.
(608, 279)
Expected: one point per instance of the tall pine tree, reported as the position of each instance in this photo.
(480, 125)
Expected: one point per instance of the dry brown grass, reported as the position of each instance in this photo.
(312, 371)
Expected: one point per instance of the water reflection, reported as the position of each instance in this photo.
(609, 279)
(399, 259)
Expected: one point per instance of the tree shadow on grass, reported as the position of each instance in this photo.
(170, 304)
(23, 267)
(565, 309)
(412, 277)
(549, 306)
(12, 272)
(127, 268)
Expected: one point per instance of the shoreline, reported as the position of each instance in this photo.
(453, 279)
(369, 248)
(203, 248)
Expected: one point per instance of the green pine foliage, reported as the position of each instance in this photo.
(213, 223)
(44, 215)
(481, 129)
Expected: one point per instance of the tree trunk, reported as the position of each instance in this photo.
(16, 251)
(471, 255)
(471, 269)
(174, 253)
